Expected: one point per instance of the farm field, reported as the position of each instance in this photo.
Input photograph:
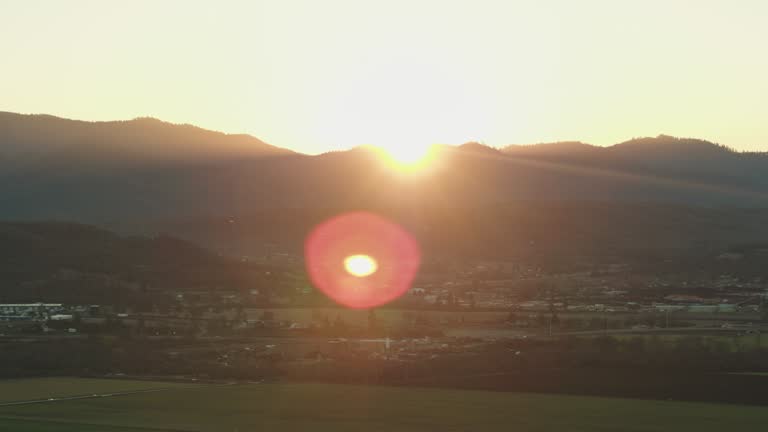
(325, 407)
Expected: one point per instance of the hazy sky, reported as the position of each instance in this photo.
(319, 75)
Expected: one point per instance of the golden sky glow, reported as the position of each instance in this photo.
(323, 75)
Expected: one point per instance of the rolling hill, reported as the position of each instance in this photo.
(237, 192)
(68, 262)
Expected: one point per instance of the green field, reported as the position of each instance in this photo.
(323, 407)
(726, 343)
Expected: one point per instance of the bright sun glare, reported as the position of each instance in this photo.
(408, 155)
(360, 265)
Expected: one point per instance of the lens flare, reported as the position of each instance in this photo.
(361, 260)
(360, 265)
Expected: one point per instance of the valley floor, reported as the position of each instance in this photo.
(321, 407)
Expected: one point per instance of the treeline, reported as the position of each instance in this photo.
(693, 368)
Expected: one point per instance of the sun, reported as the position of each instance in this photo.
(360, 265)
(408, 154)
(408, 158)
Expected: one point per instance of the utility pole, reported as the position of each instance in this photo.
(549, 333)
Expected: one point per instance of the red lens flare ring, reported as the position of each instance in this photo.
(361, 260)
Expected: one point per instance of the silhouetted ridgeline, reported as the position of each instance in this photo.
(37, 141)
(145, 175)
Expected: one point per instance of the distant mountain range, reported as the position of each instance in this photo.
(32, 141)
(148, 174)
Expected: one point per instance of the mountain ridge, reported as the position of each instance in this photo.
(43, 138)
(203, 173)
(648, 142)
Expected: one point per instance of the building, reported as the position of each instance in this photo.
(9, 311)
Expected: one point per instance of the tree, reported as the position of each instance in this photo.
(240, 315)
(339, 323)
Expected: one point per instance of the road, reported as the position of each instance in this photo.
(665, 330)
(113, 394)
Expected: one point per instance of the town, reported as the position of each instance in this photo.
(479, 305)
